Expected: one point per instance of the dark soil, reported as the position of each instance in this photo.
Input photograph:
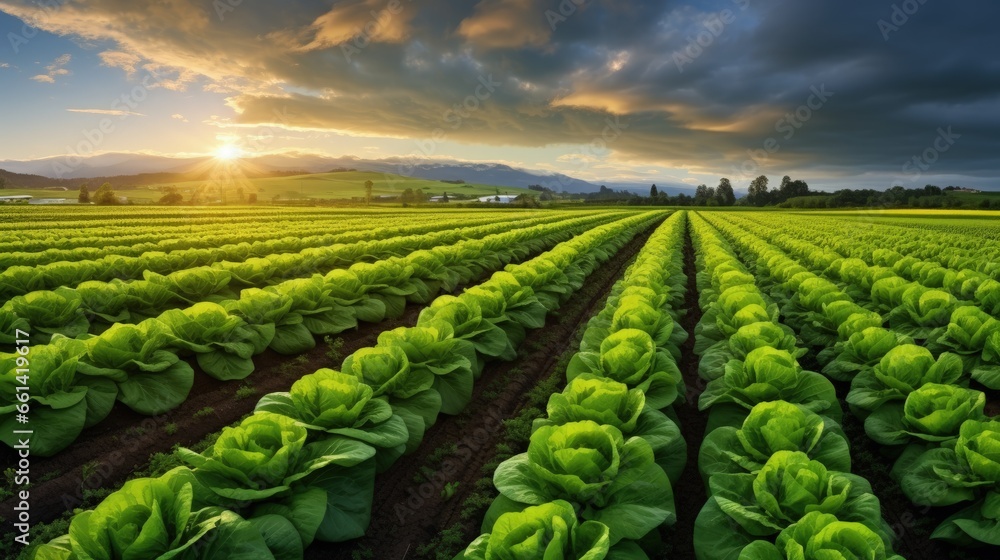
(408, 509)
(689, 492)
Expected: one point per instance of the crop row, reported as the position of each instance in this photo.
(219, 239)
(302, 467)
(775, 460)
(917, 404)
(94, 305)
(76, 381)
(598, 472)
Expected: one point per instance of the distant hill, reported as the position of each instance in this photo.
(122, 169)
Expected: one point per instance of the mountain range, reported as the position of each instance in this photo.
(147, 168)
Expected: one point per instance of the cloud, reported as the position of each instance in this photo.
(4, 65)
(179, 117)
(57, 68)
(119, 59)
(506, 24)
(112, 112)
(609, 61)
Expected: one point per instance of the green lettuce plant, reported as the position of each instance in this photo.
(265, 466)
(967, 469)
(465, 319)
(62, 403)
(744, 507)
(901, 371)
(410, 392)
(58, 311)
(862, 350)
(770, 427)
(975, 337)
(223, 344)
(768, 374)
(610, 403)
(629, 356)
(923, 313)
(609, 479)
(151, 380)
(747, 338)
(931, 413)
(270, 314)
(548, 531)
(330, 402)
(821, 536)
(163, 518)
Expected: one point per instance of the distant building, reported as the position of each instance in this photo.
(498, 199)
(47, 201)
(14, 198)
(440, 199)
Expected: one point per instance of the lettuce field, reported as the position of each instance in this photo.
(493, 384)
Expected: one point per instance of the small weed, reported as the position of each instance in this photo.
(449, 490)
(334, 348)
(88, 469)
(245, 391)
(170, 428)
(204, 412)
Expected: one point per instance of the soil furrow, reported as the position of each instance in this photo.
(689, 492)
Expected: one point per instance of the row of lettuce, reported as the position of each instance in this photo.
(931, 253)
(76, 381)
(596, 480)
(775, 460)
(303, 467)
(235, 257)
(914, 399)
(75, 244)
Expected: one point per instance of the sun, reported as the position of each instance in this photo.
(228, 152)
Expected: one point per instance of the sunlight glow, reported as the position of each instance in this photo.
(228, 152)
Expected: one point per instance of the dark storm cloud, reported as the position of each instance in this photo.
(699, 85)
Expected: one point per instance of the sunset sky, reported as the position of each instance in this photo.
(838, 93)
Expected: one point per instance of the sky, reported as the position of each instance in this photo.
(839, 93)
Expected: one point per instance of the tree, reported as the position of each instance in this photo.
(444, 198)
(406, 196)
(84, 197)
(4, 183)
(252, 198)
(105, 195)
(368, 191)
(240, 195)
(757, 194)
(419, 196)
(789, 189)
(701, 195)
(724, 193)
(653, 192)
(172, 196)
